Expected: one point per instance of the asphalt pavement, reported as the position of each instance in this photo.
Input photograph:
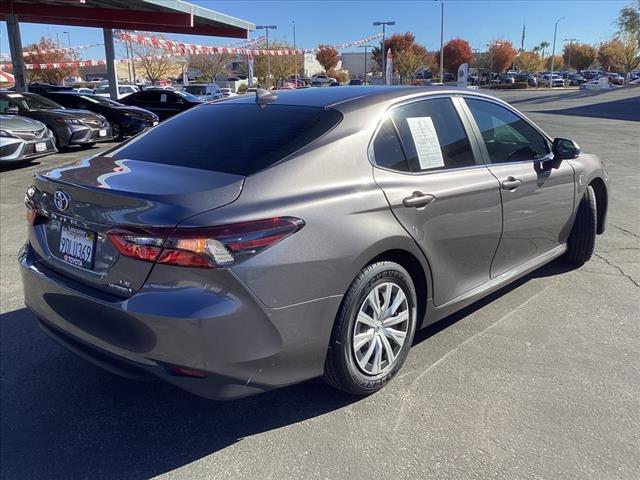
(539, 381)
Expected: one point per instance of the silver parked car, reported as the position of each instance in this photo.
(23, 139)
(265, 240)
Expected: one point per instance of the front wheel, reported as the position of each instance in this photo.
(373, 331)
(582, 239)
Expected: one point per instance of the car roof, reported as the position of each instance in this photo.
(342, 98)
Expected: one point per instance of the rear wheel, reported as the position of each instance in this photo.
(373, 331)
(582, 239)
(116, 131)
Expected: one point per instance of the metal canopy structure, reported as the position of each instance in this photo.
(167, 16)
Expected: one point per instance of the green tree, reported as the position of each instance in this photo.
(630, 53)
(409, 61)
(629, 20)
(45, 51)
(210, 65)
(543, 46)
(282, 66)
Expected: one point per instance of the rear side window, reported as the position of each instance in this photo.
(508, 137)
(387, 152)
(233, 138)
(432, 135)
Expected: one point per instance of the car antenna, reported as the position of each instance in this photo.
(264, 97)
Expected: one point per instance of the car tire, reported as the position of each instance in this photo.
(366, 369)
(582, 239)
(116, 131)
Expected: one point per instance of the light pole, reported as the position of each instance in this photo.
(68, 38)
(553, 51)
(267, 28)
(442, 41)
(384, 54)
(365, 61)
(570, 40)
(295, 54)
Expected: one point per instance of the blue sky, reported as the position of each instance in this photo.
(332, 22)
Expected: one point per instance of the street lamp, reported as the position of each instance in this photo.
(68, 38)
(267, 28)
(553, 51)
(365, 61)
(442, 41)
(570, 40)
(295, 54)
(384, 54)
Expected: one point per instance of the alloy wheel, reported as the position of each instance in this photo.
(380, 328)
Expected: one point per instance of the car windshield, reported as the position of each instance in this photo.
(32, 101)
(231, 138)
(105, 102)
(102, 89)
(195, 89)
(187, 96)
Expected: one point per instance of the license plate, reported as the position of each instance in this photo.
(41, 147)
(76, 247)
(155, 123)
(102, 133)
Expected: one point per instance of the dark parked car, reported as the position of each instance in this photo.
(574, 79)
(125, 120)
(164, 103)
(505, 78)
(529, 78)
(265, 240)
(355, 82)
(69, 127)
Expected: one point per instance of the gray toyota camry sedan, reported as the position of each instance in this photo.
(269, 239)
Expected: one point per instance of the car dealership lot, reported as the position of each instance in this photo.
(540, 380)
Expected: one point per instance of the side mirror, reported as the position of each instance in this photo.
(565, 149)
(11, 111)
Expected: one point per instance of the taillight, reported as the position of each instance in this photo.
(33, 216)
(208, 247)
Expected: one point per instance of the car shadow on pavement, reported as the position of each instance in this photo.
(623, 109)
(64, 418)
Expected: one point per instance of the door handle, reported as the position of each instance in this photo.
(418, 200)
(511, 183)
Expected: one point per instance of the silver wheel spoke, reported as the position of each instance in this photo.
(388, 290)
(388, 349)
(362, 339)
(373, 301)
(400, 298)
(366, 319)
(377, 359)
(396, 320)
(396, 335)
(365, 358)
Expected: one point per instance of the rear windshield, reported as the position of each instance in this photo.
(233, 138)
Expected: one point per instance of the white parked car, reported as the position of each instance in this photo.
(320, 80)
(24, 139)
(204, 91)
(228, 92)
(557, 81)
(123, 90)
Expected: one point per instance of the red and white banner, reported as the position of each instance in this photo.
(190, 48)
(77, 48)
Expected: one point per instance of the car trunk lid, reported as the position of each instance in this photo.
(100, 194)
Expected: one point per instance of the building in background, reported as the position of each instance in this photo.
(353, 62)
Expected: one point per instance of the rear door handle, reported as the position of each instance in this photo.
(511, 183)
(418, 200)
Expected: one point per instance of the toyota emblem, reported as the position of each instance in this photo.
(62, 200)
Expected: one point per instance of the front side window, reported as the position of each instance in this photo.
(508, 137)
(32, 102)
(432, 135)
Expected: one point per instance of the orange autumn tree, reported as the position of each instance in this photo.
(45, 51)
(502, 55)
(456, 52)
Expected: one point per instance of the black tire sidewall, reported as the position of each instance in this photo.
(375, 275)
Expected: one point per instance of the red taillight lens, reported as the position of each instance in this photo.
(33, 216)
(209, 247)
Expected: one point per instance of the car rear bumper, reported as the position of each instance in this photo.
(240, 345)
